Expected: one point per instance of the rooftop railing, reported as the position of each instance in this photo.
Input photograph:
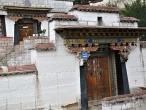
(94, 23)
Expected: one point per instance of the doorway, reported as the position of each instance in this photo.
(122, 78)
(25, 27)
(98, 78)
(2, 26)
(25, 30)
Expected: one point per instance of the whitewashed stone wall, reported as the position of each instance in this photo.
(2, 12)
(144, 60)
(9, 27)
(66, 23)
(128, 24)
(17, 92)
(57, 83)
(55, 24)
(52, 34)
(59, 76)
(109, 19)
(44, 25)
(60, 6)
(136, 68)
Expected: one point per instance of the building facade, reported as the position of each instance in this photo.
(86, 54)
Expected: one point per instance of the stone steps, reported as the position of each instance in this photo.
(95, 105)
(18, 54)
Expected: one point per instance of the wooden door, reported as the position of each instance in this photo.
(98, 78)
(25, 30)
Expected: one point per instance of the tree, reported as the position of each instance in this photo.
(138, 10)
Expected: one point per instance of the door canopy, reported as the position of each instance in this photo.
(15, 12)
(89, 38)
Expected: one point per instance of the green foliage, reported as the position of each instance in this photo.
(42, 31)
(39, 31)
(138, 10)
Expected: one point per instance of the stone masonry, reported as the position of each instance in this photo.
(60, 6)
(11, 55)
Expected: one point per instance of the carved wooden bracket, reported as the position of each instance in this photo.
(124, 51)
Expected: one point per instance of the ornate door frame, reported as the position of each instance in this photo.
(35, 23)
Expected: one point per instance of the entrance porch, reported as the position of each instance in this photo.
(26, 21)
(103, 73)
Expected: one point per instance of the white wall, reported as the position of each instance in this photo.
(33, 56)
(108, 18)
(59, 76)
(66, 23)
(2, 12)
(9, 27)
(60, 6)
(44, 25)
(56, 23)
(52, 31)
(57, 82)
(143, 57)
(17, 91)
(57, 6)
(135, 68)
(127, 24)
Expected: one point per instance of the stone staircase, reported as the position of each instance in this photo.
(20, 56)
(11, 55)
(94, 105)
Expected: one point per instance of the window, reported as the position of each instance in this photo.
(99, 19)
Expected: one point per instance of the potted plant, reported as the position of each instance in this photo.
(42, 32)
(39, 32)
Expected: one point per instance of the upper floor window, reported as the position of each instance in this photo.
(99, 20)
